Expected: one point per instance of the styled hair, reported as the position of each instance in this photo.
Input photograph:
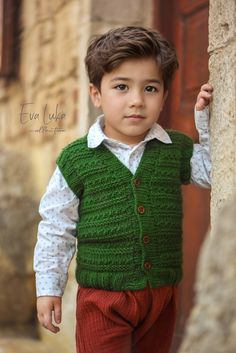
(108, 51)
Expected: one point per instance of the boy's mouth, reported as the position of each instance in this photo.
(135, 117)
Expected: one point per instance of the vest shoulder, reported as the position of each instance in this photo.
(76, 144)
(179, 137)
(73, 149)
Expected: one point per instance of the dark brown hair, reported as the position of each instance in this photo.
(107, 51)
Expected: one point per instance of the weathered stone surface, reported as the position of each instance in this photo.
(212, 324)
(120, 11)
(223, 126)
(222, 24)
(18, 215)
(12, 345)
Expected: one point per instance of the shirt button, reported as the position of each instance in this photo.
(137, 181)
(141, 209)
(146, 239)
(147, 265)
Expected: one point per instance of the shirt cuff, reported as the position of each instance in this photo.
(202, 118)
(50, 284)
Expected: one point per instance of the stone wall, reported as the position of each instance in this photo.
(47, 84)
(212, 323)
(222, 49)
(39, 113)
(18, 218)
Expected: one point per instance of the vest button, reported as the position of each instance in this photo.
(146, 239)
(137, 181)
(147, 265)
(141, 209)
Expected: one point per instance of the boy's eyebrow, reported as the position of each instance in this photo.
(129, 79)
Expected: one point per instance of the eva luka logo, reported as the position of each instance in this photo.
(47, 122)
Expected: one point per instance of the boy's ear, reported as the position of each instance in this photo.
(95, 95)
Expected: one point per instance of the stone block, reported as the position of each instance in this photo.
(123, 11)
(30, 50)
(212, 323)
(45, 9)
(14, 126)
(67, 99)
(29, 14)
(48, 62)
(47, 31)
(66, 40)
(4, 130)
(222, 24)
(223, 124)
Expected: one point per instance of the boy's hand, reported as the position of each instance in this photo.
(45, 306)
(204, 97)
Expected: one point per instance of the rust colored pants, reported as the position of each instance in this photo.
(139, 321)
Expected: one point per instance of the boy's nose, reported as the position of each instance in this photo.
(136, 99)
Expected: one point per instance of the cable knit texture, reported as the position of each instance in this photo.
(130, 227)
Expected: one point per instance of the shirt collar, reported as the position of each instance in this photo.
(96, 135)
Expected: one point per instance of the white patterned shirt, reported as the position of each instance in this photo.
(56, 243)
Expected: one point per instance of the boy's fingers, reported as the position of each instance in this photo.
(207, 87)
(45, 306)
(47, 323)
(202, 102)
(205, 95)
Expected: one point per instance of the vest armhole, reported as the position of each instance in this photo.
(187, 152)
(65, 163)
(185, 143)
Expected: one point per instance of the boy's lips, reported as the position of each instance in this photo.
(135, 116)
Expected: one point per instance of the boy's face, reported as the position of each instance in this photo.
(131, 98)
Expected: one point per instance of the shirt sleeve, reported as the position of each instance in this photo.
(56, 241)
(201, 159)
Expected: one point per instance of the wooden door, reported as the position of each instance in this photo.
(185, 23)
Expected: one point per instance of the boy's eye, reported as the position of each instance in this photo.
(121, 87)
(151, 89)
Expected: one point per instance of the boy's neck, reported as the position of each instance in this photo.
(130, 141)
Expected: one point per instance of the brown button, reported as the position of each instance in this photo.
(146, 239)
(141, 209)
(147, 265)
(137, 181)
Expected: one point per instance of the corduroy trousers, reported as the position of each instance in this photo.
(140, 321)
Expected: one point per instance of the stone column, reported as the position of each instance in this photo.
(212, 323)
(222, 65)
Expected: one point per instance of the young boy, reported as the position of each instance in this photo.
(117, 191)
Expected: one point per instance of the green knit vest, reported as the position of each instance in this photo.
(130, 226)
